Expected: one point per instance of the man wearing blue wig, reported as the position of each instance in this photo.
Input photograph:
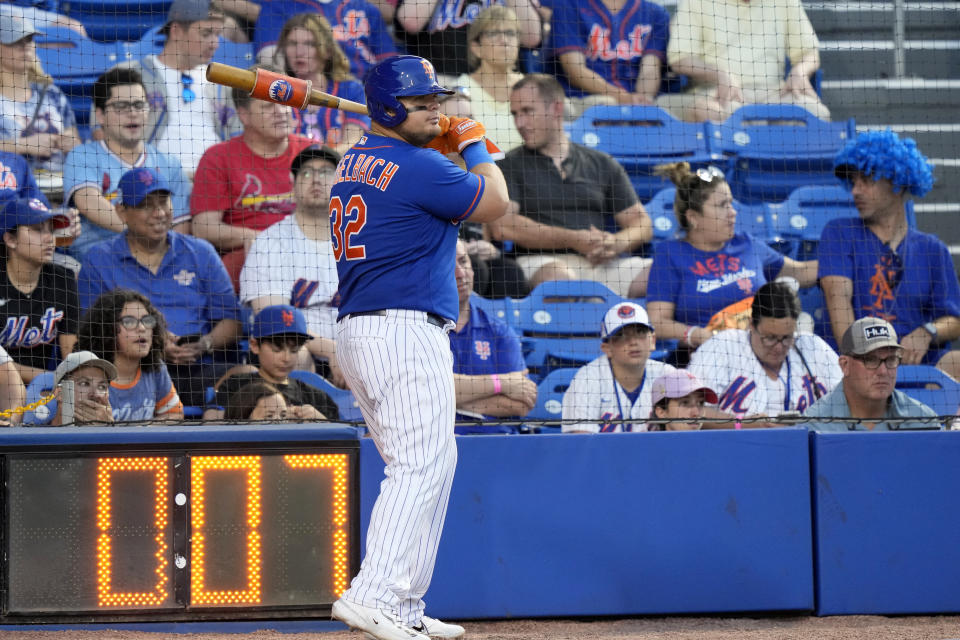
(877, 266)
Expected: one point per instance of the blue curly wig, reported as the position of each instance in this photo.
(881, 154)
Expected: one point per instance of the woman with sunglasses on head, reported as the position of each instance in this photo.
(712, 266)
(494, 46)
(310, 52)
(126, 329)
(767, 369)
(36, 120)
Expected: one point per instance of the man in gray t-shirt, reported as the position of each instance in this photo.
(870, 355)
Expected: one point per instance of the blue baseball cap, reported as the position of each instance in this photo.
(21, 211)
(277, 320)
(137, 184)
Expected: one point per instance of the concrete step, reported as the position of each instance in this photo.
(875, 58)
(895, 101)
(936, 140)
(940, 220)
(874, 20)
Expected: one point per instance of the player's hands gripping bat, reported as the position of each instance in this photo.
(457, 133)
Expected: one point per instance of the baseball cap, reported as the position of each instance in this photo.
(192, 11)
(79, 359)
(279, 320)
(866, 335)
(14, 28)
(679, 383)
(622, 315)
(137, 183)
(311, 152)
(18, 211)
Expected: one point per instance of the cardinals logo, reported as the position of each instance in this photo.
(625, 312)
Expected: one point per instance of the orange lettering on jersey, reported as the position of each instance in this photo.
(384, 181)
(362, 174)
(342, 167)
(376, 163)
(880, 289)
(355, 175)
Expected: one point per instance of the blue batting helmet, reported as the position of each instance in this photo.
(395, 77)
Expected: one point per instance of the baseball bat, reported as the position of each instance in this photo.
(276, 87)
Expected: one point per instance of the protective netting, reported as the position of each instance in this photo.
(720, 186)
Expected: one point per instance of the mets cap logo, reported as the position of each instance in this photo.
(875, 332)
(287, 317)
(626, 311)
(280, 90)
(37, 205)
(428, 67)
(145, 177)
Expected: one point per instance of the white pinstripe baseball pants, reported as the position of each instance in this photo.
(400, 368)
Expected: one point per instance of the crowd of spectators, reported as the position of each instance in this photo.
(196, 207)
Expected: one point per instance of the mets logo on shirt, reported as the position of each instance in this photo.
(482, 349)
(280, 91)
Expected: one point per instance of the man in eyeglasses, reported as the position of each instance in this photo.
(91, 173)
(186, 109)
(869, 360)
(766, 369)
(876, 265)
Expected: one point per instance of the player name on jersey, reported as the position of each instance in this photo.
(371, 170)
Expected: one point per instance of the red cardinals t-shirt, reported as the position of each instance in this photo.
(251, 191)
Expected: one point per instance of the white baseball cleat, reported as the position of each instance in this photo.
(438, 629)
(375, 623)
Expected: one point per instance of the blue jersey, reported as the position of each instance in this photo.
(326, 125)
(485, 346)
(94, 165)
(908, 287)
(358, 28)
(17, 180)
(394, 215)
(613, 44)
(700, 283)
(150, 395)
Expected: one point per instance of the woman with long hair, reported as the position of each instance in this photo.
(256, 401)
(124, 327)
(310, 52)
(711, 267)
(36, 120)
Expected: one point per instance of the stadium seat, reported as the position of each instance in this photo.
(346, 403)
(640, 137)
(501, 309)
(771, 150)
(39, 387)
(550, 398)
(112, 20)
(751, 218)
(798, 221)
(931, 386)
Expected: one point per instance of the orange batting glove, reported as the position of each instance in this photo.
(440, 143)
(464, 132)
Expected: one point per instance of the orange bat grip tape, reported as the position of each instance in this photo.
(275, 87)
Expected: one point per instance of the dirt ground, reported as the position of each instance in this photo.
(674, 628)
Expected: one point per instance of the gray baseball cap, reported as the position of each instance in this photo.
(866, 335)
(192, 11)
(79, 359)
(14, 28)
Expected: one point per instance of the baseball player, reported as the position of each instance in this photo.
(394, 215)
(612, 393)
(767, 369)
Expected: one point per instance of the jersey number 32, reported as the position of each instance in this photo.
(346, 222)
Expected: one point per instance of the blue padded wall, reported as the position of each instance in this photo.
(886, 521)
(564, 525)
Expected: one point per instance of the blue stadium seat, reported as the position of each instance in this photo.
(944, 397)
(773, 149)
(550, 398)
(640, 137)
(346, 403)
(798, 221)
(564, 308)
(753, 219)
(112, 20)
(501, 309)
(39, 387)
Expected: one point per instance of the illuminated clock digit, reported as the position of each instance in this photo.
(338, 464)
(201, 468)
(107, 471)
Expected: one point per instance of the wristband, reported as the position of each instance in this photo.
(738, 424)
(497, 385)
(686, 335)
(476, 154)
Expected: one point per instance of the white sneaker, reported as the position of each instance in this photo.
(439, 629)
(375, 623)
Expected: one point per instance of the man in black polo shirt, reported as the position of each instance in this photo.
(565, 198)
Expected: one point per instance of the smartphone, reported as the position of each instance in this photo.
(66, 402)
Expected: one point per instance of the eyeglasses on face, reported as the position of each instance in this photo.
(773, 341)
(121, 106)
(709, 174)
(131, 322)
(506, 34)
(189, 95)
(873, 362)
(316, 174)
